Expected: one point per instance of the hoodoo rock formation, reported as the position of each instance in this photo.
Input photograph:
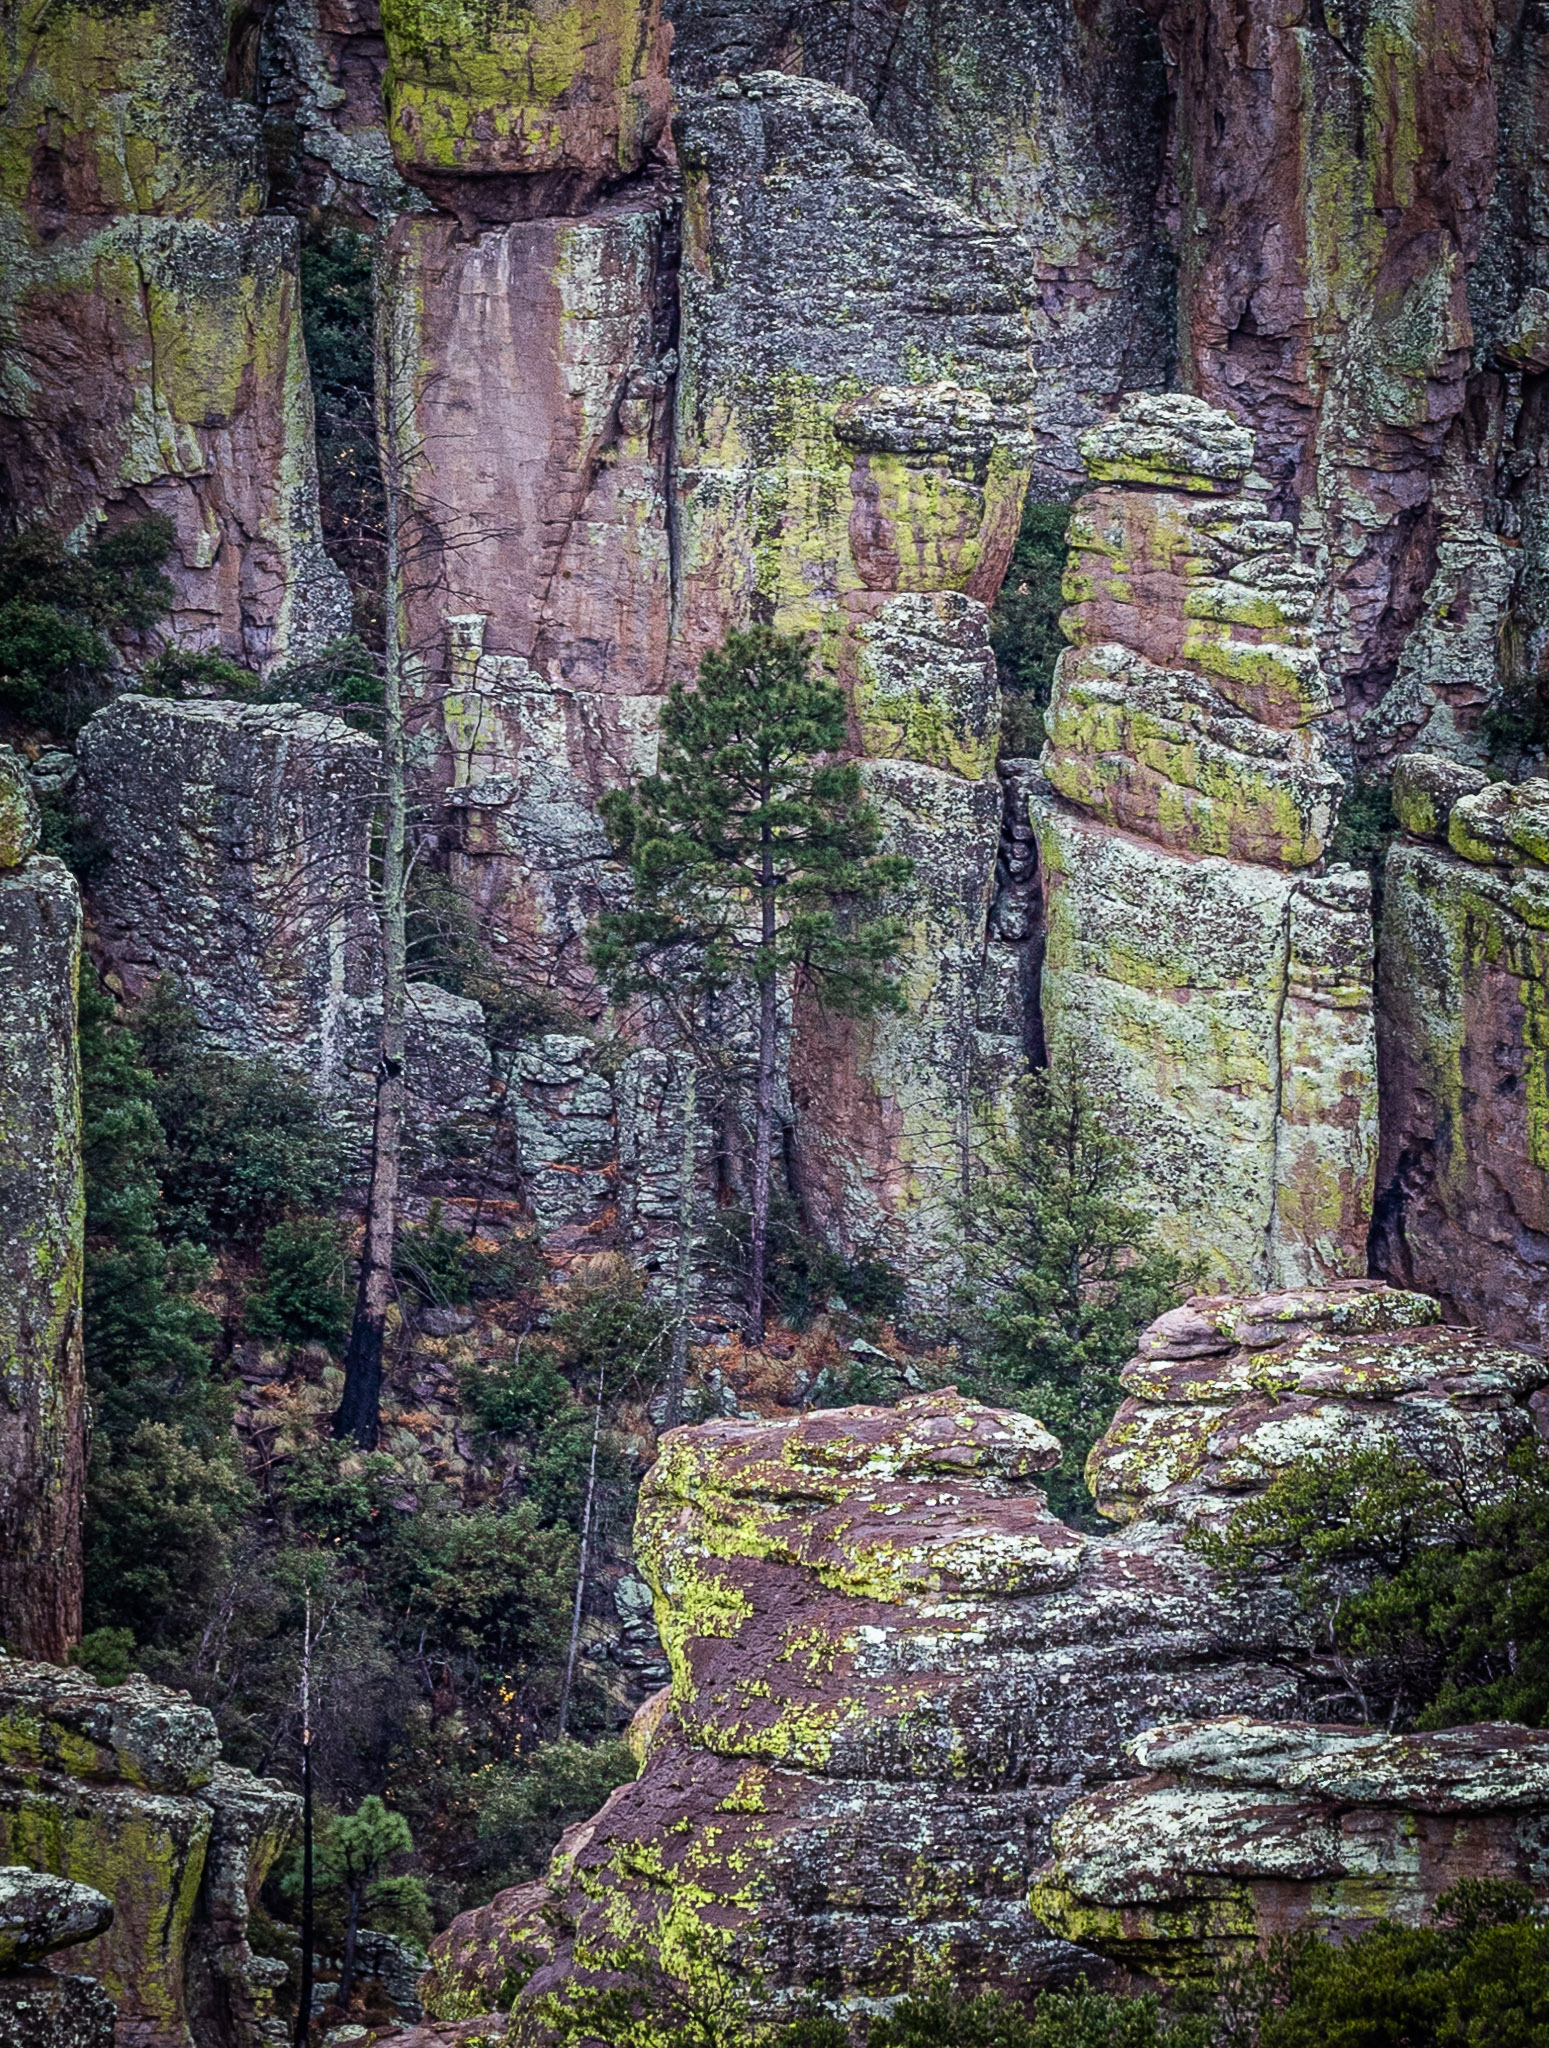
(1217, 996)
(893, 1670)
(42, 1377)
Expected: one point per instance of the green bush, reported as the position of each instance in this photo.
(189, 672)
(247, 1141)
(1365, 827)
(302, 1299)
(491, 1587)
(524, 1807)
(58, 604)
(160, 1518)
(1441, 1592)
(1025, 625)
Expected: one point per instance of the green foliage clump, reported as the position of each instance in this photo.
(247, 1141)
(190, 672)
(162, 1514)
(1065, 1270)
(353, 1880)
(447, 1267)
(1435, 1590)
(492, 1586)
(525, 1806)
(1365, 827)
(58, 604)
(302, 1298)
(802, 1273)
(1025, 625)
(1078, 2018)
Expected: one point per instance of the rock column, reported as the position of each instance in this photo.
(1203, 974)
(42, 1209)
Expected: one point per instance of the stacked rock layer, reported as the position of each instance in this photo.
(1201, 974)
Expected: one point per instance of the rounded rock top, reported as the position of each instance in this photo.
(40, 1913)
(1168, 439)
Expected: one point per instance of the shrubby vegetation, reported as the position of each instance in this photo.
(1065, 1272)
(1431, 1590)
(1025, 626)
(57, 607)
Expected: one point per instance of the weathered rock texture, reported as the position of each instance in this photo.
(1463, 1184)
(40, 2008)
(240, 839)
(42, 1374)
(153, 357)
(1208, 988)
(1339, 271)
(893, 1670)
(123, 1786)
(1242, 1829)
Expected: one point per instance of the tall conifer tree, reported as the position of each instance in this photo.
(753, 853)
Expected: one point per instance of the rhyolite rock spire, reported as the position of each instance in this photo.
(42, 1214)
(1213, 986)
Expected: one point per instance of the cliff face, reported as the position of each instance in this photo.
(42, 1211)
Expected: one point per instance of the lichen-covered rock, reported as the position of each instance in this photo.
(42, 1213)
(121, 1788)
(39, 1913)
(1227, 1391)
(20, 827)
(1224, 1014)
(1221, 1009)
(1463, 1033)
(513, 112)
(1162, 753)
(153, 356)
(1169, 439)
(818, 471)
(1426, 786)
(892, 1110)
(891, 1671)
(1335, 180)
(44, 2009)
(240, 838)
(1242, 1829)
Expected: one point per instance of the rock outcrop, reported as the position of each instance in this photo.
(893, 1671)
(123, 1787)
(240, 843)
(1214, 994)
(1242, 1829)
(1463, 1033)
(42, 1209)
(42, 2008)
(153, 350)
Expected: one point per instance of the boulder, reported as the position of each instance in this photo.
(39, 1913)
(893, 1672)
(46, 2009)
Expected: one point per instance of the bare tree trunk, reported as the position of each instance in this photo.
(582, 1560)
(359, 1411)
(763, 1128)
(677, 1371)
(304, 2000)
(347, 1974)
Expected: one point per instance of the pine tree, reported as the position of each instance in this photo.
(753, 853)
(1066, 1271)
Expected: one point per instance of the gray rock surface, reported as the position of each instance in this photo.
(39, 1913)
